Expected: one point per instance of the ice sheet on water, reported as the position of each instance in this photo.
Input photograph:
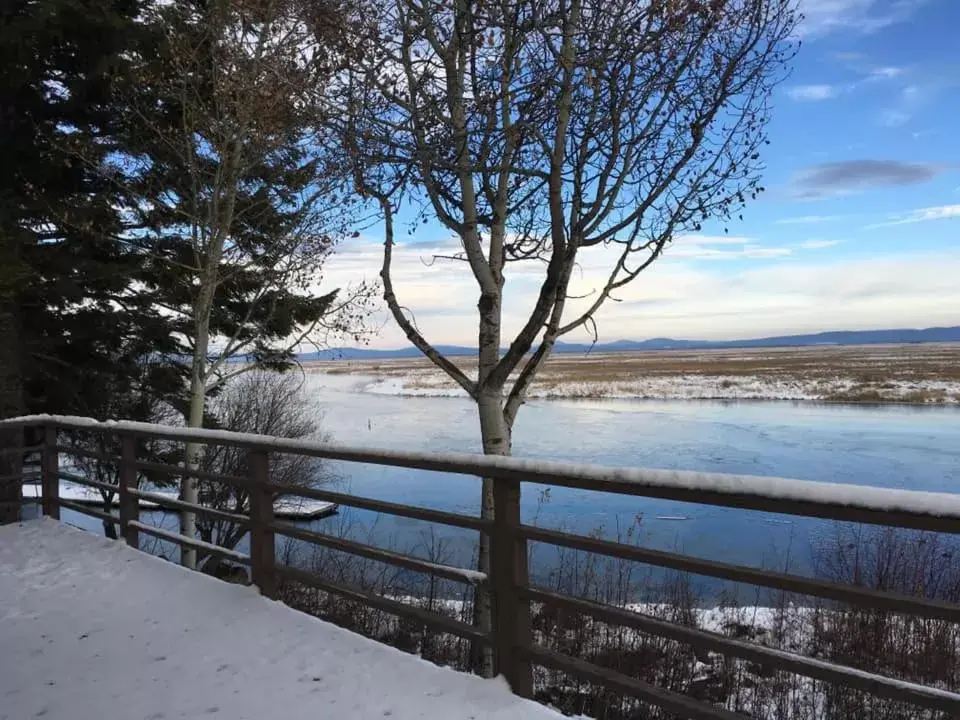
(936, 504)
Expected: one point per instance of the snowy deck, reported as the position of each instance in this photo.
(91, 629)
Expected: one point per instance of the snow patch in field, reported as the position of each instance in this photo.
(692, 386)
(93, 629)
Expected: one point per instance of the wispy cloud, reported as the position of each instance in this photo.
(865, 74)
(894, 118)
(822, 17)
(806, 219)
(694, 297)
(817, 244)
(814, 93)
(941, 212)
(909, 101)
(885, 73)
(721, 247)
(919, 91)
(853, 176)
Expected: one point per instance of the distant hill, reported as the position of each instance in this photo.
(840, 337)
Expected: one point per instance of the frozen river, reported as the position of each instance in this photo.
(916, 447)
(886, 445)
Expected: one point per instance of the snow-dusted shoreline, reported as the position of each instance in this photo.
(688, 387)
(914, 374)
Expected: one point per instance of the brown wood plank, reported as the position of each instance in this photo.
(50, 464)
(175, 504)
(20, 450)
(263, 551)
(80, 452)
(373, 553)
(571, 477)
(129, 482)
(745, 501)
(179, 471)
(19, 476)
(440, 622)
(410, 511)
(682, 705)
(86, 482)
(181, 540)
(508, 571)
(87, 510)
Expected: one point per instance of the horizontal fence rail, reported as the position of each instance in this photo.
(513, 596)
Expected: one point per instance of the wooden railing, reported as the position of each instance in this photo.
(512, 638)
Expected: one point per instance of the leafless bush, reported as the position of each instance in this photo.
(96, 454)
(442, 597)
(263, 403)
(921, 650)
(911, 649)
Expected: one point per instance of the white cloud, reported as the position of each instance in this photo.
(698, 239)
(913, 99)
(720, 247)
(806, 219)
(942, 212)
(792, 297)
(821, 17)
(681, 295)
(813, 93)
(885, 73)
(894, 118)
(818, 244)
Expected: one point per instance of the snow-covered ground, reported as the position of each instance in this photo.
(430, 383)
(917, 374)
(91, 629)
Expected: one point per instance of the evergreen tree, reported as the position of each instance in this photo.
(72, 324)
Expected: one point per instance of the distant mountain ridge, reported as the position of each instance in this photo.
(837, 337)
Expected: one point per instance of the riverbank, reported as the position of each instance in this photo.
(912, 374)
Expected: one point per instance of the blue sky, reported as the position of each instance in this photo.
(859, 227)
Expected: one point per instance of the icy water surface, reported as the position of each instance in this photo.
(889, 446)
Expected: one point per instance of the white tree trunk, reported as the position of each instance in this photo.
(496, 441)
(189, 485)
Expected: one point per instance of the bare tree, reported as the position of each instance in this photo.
(232, 192)
(548, 131)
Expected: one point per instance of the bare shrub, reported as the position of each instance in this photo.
(263, 403)
(917, 650)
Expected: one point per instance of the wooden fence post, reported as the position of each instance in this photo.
(511, 615)
(50, 473)
(129, 503)
(263, 556)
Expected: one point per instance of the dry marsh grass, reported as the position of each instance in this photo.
(927, 373)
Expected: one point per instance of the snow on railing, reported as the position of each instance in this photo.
(703, 487)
